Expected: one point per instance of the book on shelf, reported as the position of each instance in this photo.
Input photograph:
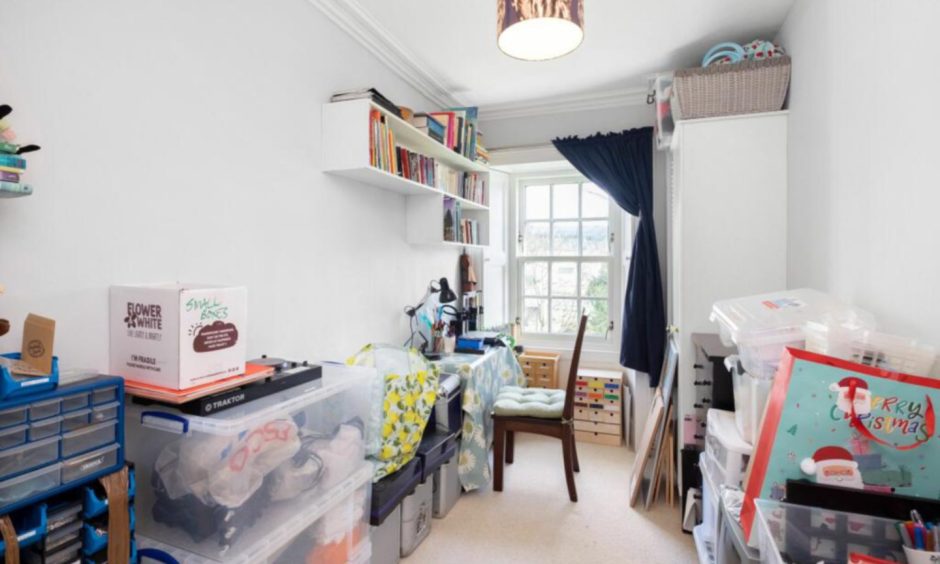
(451, 208)
(470, 231)
(449, 119)
(367, 94)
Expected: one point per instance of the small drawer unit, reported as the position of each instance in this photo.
(598, 405)
(540, 368)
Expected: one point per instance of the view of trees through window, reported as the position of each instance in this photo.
(564, 257)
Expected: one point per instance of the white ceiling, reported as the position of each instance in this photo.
(454, 41)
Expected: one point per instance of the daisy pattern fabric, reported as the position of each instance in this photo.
(409, 384)
(482, 379)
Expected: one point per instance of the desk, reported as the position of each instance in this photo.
(482, 377)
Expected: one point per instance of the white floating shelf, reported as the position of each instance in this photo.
(388, 181)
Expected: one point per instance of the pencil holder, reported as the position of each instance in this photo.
(915, 556)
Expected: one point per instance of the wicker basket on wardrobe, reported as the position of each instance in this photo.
(738, 88)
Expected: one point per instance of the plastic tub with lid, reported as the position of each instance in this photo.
(864, 346)
(762, 326)
(726, 447)
(750, 399)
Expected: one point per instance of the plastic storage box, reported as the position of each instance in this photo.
(861, 345)
(725, 449)
(708, 529)
(239, 485)
(763, 326)
(731, 547)
(750, 399)
(446, 488)
(416, 510)
(795, 533)
(12, 386)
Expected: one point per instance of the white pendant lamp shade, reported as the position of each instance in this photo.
(538, 30)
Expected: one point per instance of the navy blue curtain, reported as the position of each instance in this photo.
(622, 164)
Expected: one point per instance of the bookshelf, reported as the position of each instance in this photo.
(346, 152)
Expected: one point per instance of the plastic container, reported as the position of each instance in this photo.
(94, 541)
(796, 533)
(704, 547)
(95, 501)
(88, 438)
(726, 448)
(44, 409)
(763, 326)
(864, 346)
(26, 457)
(13, 436)
(104, 395)
(76, 420)
(750, 400)
(12, 416)
(416, 516)
(65, 535)
(708, 529)
(25, 485)
(69, 553)
(30, 525)
(74, 402)
(63, 515)
(254, 476)
(45, 428)
(334, 529)
(731, 548)
(105, 412)
(12, 386)
(80, 467)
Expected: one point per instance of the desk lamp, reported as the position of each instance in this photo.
(447, 296)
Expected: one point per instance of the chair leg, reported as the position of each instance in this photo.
(510, 445)
(498, 439)
(574, 454)
(567, 445)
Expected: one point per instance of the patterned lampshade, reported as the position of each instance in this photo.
(538, 30)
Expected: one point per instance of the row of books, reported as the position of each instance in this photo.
(12, 168)
(459, 229)
(386, 155)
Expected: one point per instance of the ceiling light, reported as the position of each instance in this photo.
(538, 30)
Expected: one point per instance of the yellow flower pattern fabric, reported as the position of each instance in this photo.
(410, 385)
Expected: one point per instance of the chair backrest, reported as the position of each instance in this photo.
(568, 412)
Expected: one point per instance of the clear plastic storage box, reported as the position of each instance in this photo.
(864, 346)
(725, 448)
(750, 399)
(796, 533)
(763, 326)
(241, 485)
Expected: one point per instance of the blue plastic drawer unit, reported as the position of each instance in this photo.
(59, 439)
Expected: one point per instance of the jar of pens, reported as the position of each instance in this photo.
(921, 540)
(443, 338)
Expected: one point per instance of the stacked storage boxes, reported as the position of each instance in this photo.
(540, 368)
(598, 403)
(279, 479)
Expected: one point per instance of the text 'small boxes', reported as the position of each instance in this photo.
(178, 335)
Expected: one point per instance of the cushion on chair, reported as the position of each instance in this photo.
(544, 403)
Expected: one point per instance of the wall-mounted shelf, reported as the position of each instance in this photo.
(346, 152)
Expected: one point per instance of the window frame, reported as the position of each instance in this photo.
(618, 224)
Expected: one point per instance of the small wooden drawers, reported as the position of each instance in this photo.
(598, 402)
(540, 368)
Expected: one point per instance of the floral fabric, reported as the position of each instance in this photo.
(482, 379)
(410, 387)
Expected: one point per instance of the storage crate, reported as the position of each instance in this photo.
(861, 345)
(725, 447)
(796, 533)
(750, 400)
(241, 484)
(729, 89)
(540, 368)
(763, 326)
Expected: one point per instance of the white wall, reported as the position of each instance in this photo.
(863, 157)
(181, 142)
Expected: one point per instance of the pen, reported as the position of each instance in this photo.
(918, 537)
(905, 536)
(915, 517)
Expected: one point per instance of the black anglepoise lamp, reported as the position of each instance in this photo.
(447, 295)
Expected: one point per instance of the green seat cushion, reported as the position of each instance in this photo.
(529, 402)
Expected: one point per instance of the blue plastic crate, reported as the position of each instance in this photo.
(94, 542)
(94, 505)
(13, 387)
(30, 526)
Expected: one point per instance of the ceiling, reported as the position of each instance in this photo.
(453, 43)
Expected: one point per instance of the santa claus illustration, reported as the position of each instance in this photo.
(845, 388)
(834, 466)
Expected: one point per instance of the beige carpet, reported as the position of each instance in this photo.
(531, 520)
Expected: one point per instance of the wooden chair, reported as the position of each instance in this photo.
(505, 427)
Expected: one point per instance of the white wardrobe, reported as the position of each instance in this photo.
(726, 223)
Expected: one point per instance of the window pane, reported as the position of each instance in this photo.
(535, 316)
(565, 238)
(594, 242)
(565, 201)
(598, 316)
(536, 202)
(536, 279)
(564, 316)
(564, 279)
(535, 238)
(594, 280)
(594, 201)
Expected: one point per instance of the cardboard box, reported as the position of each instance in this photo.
(178, 335)
(38, 338)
